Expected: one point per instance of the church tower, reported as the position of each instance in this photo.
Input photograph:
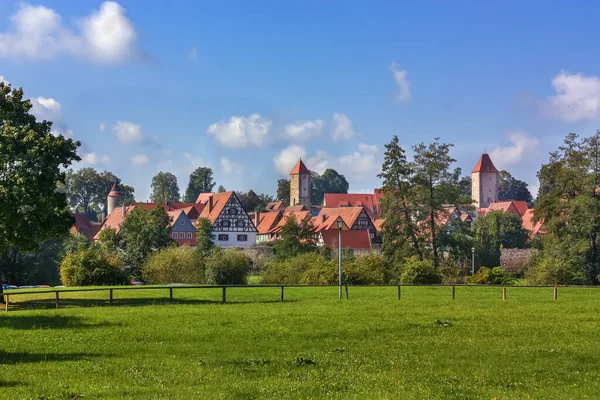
(484, 184)
(114, 199)
(300, 185)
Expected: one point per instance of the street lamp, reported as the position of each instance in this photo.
(472, 260)
(340, 226)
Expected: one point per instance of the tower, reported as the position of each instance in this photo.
(484, 182)
(114, 199)
(300, 185)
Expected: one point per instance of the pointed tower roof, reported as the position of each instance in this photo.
(484, 164)
(115, 191)
(300, 169)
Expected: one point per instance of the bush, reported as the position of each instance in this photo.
(370, 269)
(227, 267)
(551, 271)
(175, 264)
(91, 266)
(419, 272)
(294, 270)
(491, 276)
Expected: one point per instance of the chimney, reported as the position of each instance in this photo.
(168, 206)
(123, 208)
(103, 216)
(256, 218)
(210, 203)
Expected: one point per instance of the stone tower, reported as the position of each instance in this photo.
(114, 199)
(484, 185)
(300, 185)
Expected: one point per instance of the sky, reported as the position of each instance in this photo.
(248, 88)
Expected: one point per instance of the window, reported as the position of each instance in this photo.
(240, 223)
(372, 236)
(182, 222)
(181, 235)
(174, 235)
(189, 235)
(233, 211)
(225, 224)
(223, 238)
(242, 238)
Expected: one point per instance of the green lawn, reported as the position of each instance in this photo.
(311, 346)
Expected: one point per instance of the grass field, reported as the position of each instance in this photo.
(311, 346)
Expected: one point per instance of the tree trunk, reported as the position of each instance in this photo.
(413, 235)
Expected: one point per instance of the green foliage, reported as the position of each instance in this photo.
(371, 269)
(91, 267)
(415, 271)
(254, 202)
(175, 265)
(204, 235)
(164, 188)
(553, 271)
(39, 266)
(142, 233)
(329, 182)
(108, 240)
(283, 191)
(201, 181)
(494, 230)
(510, 188)
(32, 162)
(295, 239)
(303, 268)
(491, 276)
(221, 189)
(227, 267)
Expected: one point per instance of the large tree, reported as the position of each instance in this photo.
(510, 188)
(283, 191)
(329, 182)
(201, 181)
(295, 238)
(496, 230)
(32, 163)
(164, 188)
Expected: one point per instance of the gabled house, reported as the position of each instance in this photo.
(370, 202)
(535, 229)
(183, 230)
(83, 226)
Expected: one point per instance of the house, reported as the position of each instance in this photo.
(269, 224)
(370, 202)
(351, 239)
(535, 229)
(83, 226)
(516, 207)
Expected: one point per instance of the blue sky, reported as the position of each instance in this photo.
(248, 87)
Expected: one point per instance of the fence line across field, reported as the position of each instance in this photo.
(224, 288)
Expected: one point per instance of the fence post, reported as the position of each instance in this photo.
(398, 292)
(453, 291)
(171, 295)
(57, 300)
(6, 302)
(224, 294)
(110, 298)
(346, 292)
(281, 293)
(503, 293)
(555, 292)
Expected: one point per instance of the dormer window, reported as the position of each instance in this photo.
(182, 222)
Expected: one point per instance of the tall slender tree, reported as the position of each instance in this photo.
(201, 181)
(164, 188)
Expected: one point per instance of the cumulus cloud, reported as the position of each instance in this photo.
(128, 132)
(288, 157)
(139, 160)
(401, 82)
(39, 33)
(319, 162)
(342, 127)
(522, 146)
(304, 130)
(230, 167)
(95, 159)
(364, 163)
(241, 132)
(577, 97)
(49, 109)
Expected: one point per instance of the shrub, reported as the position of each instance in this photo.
(551, 271)
(292, 270)
(227, 267)
(175, 264)
(417, 272)
(322, 272)
(370, 269)
(491, 276)
(91, 266)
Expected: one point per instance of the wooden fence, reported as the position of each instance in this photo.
(171, 289)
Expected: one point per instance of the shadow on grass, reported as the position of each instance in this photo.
(8, 358)
(47, 322)
(7, 384)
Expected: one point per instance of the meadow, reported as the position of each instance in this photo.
(312, 346)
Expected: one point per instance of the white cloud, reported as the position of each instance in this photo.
(522, 146)
(230, 167)
(342, 127)
(94, 159)
(367, 148)
(241, 132)
(361, 164)
(401, 82)
(128, 132)
(38, 33)
(319, 162)
(3, 79)
(193, 53)
(45, 109)
(304, 130)
(287, 158)
(105, 159)
(102, 127)
(577, 97)
(139, 160)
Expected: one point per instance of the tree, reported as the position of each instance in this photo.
(32, 163)
(249, 200)
(221, 189)
(295, 238)
(108, 179)
(330, 182)
(142, 233)
(496, 230)
(465, 184)
(204, 236)
(164, 188)
(510, 188)
(283, 191)
(201, 181)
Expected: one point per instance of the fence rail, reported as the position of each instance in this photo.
(14, 292)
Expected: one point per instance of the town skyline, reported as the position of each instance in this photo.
(249, 99)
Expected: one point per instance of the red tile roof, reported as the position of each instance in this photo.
(506, 206)
(84, 227)
(275, 206)
(484, 164)
(379, 224)
(300, 216)
(369, 201)
(328, 216)
(351, 239)
(268, 221)
(115, 191)
(219, 200)
(533, 228)
(116, 218)
(300, 168)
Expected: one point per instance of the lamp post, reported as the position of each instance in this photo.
(472, 260)
(340, 226)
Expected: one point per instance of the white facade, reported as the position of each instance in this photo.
(484, 188)
(234, 239)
